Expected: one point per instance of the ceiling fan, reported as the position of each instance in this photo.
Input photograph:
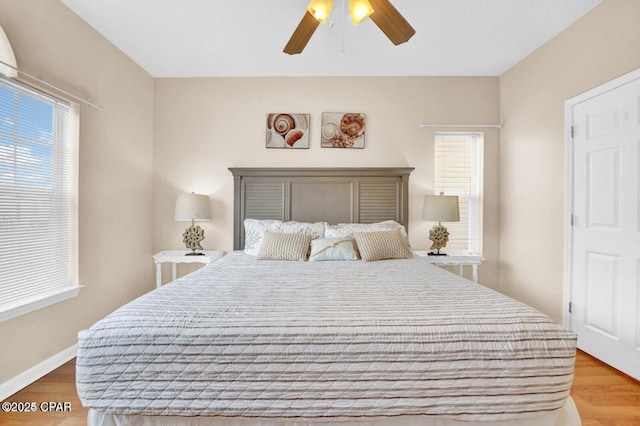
(381, 12)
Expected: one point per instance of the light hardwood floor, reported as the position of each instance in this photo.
(603, 396)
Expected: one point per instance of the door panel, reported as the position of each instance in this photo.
(602, 288)
(603, 189)
(603, 122)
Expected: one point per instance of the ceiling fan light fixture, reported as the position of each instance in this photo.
(359, 10)
(381, 12)
(320, 9)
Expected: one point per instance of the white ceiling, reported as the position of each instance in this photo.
(207, 38)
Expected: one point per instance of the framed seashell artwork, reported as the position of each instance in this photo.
(342, 130)
(285, 130)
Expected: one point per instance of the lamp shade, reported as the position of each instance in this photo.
(7, 56)
(441, 208)
(320, 9)
(192, 207)
(359, 10)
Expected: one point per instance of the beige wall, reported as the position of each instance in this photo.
(204, 126)
(599, 47)
(116, 193)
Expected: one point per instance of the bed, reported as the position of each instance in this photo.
(246, 341)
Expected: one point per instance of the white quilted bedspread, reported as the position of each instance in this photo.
(242, 337)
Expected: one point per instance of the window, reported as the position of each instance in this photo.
(38, 263)
(458, 160)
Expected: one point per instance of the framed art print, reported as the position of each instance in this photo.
(286, 130)
(343, 130)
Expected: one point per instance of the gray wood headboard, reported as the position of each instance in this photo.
(333, 195)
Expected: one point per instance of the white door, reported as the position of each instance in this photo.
(605, 247)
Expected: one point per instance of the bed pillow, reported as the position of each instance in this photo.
(254, 230)
(315, 230)
(346, 230)
(333, 249)
(284, 246)
(379, 245)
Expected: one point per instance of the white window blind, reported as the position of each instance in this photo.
(458, 171)
(35, 195)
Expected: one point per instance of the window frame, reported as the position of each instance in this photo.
(475, 195)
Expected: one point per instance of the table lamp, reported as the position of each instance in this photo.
(192, 207)
(440, 208)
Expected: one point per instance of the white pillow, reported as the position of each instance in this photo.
(315, 230)
(333, 249)
(254, 230)
(346, 230)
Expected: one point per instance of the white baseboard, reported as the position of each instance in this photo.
(36, 372)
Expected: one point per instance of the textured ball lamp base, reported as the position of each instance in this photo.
(191, 239)
(440, 236)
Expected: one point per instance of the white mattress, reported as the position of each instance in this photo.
(248, 338)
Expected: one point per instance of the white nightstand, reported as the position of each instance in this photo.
(457, 258)
(179, 256)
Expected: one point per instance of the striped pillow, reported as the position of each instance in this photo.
(382, 245)
(284, 246)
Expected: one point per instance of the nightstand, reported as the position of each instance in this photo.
(457, 258)
(179, 256)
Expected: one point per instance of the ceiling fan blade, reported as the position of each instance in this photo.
(391, 22)
(302, 34)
